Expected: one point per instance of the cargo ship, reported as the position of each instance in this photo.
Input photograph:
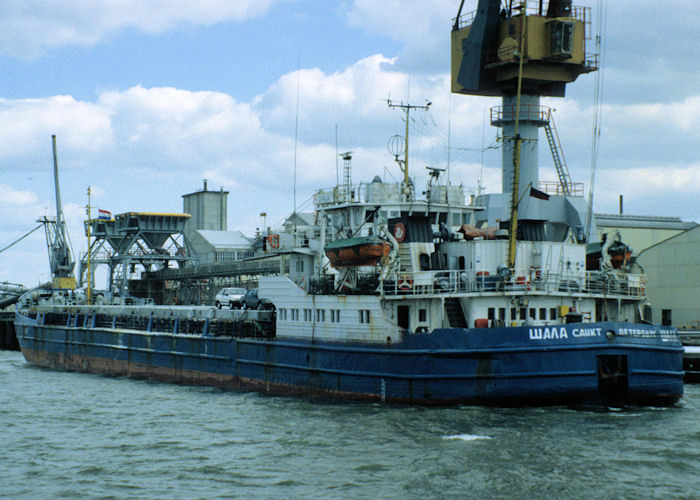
(432, 300)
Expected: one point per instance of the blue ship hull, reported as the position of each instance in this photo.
(606, 363)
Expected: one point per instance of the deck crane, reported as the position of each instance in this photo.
(521, 53)
(60, 255)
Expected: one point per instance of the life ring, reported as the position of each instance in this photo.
(302, 283)
(274, 240)
(405, 283)
(399, 232)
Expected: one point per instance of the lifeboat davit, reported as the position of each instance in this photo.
(618, 252)
(356, 251)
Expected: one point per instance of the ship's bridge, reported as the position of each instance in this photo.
(348, 206)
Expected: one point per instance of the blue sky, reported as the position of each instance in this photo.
(149, 98)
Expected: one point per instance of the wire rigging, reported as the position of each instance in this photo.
(601, 24)
(20, 238)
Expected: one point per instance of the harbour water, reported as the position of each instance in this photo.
(85, 436)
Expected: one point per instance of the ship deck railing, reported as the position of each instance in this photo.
(555, 188)
(537, 282)
(580, 13)
(159, 320)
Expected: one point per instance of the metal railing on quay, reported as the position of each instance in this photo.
(689, 337)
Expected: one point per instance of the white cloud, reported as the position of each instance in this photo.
(683, 116)
(26, 126)
(356, 101)
(403, 20)
(182, 125)
(422, 27)
(659, 189)
(29, 27)
(359, 90)
(676, 179)
(9, 196)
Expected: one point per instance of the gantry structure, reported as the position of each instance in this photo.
(152, 241)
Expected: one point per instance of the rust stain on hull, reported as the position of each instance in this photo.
(118, 368)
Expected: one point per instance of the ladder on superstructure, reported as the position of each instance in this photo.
(557, 154)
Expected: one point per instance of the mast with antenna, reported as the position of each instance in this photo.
(347, 175)
(296, 130)
(296, 141)
(449, 136)
(404, 165)
(337, 180)
(88, 290)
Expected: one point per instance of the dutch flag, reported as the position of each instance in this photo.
(104, 215)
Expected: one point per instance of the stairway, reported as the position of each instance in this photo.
(455, 315)
(405, 259)
(557, 154)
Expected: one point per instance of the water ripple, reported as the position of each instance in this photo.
(464, 437)
(83, 436)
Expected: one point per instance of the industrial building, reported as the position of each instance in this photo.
(642, 231)
(207, 209)
(668, 251)
(672, 267)
(212, 247)
(217, 256)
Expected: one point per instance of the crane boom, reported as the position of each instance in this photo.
(60, 256)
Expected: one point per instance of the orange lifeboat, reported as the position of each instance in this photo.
(357, 251)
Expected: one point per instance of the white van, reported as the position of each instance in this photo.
(231, 297)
